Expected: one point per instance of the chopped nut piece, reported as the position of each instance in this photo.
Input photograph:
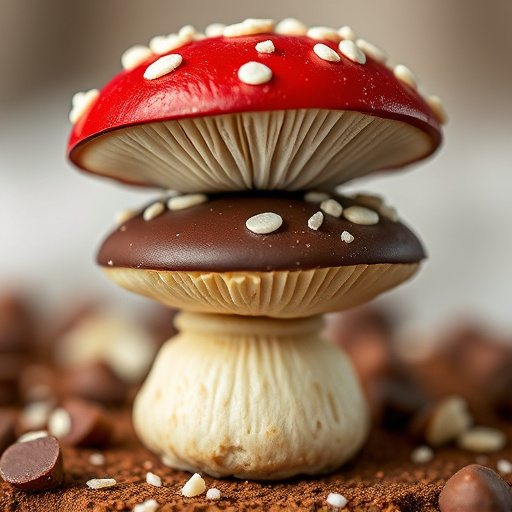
(186, 201)
(347, 237)
(361, 215)
(213, 494)
(194, 487)
(326, 53)
(332, 207)
(352, 51)
(482, 440)
(316, 220)
(265, 47)
(163, 66)
(254, 73)
(264, 223)
(153, 211)
(100, 483)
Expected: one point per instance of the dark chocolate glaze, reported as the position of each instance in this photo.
(213, 237)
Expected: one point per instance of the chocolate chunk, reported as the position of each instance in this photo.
(95, 381)
(16, 324)
(34, 465)
(7, 432)
(476, 488)
(89, 424)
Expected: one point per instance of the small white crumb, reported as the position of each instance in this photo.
(249, 27)
(163, 66)
(331, 207)
(100, 483)
(435, 103)
(194, 487)
(504, 466)
(254, 73)
(214, 29)
(389, 212)
(59, 423)
(81, 102)
(346, 32)
(34, 415)
(404, 74)
(352, 51)
(153, 211)
(361, 215)
(422, 454)
(134, 56)
(124, 216)
(33, 434)
(325, 53)
(315, 197)
(148, 464)
(186, 201)
(213, 494)
(372, 51)
(97, 459)
(291, 27)
(324, 33)
(153, 479)
(336, 500)
(110, 263)
(316, 220)
(265, 47)
(347, 237)
(264, 223)
(482, 440)
(147, 506)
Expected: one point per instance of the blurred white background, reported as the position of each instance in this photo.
(53, 217)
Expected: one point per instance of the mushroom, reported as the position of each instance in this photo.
(216, 114)
(243, 123)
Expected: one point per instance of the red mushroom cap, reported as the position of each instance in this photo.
(206, 83)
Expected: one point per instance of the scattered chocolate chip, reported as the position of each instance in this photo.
(7, 429)
(95, 381)
(476, 488)
(89, 424)
(34, 465)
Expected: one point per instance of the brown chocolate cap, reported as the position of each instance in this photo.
(213, 236)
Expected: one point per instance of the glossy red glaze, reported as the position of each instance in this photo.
(207, 83)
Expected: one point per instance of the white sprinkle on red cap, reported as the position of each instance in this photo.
(326, 53)
(164, 44)
(372, 51)
(101, 483)
(153, 211)
(404, 74)
(352, 51)
(81, 102)
(361, 215)
(163, 66)
(291, 27)
(186, 201)
(323, 33)
(134, 56)
(249, 27)
(346, 32)
(264, 223)
(187, 33)
(347, 237)
(265, 47)
(214, 29)
(435, 103)
(254, 73)
(336, 500)
(331, 207)
(315, 221)
(194, 486)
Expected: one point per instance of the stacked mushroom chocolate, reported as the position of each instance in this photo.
(254, 126)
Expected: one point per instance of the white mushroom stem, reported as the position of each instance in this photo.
(256, 398)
